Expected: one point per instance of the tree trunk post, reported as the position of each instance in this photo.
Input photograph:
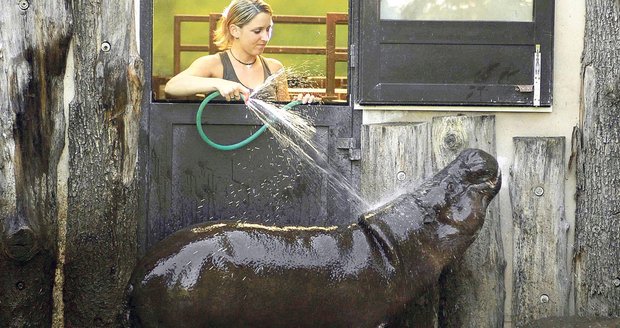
(101, 239)
(34, 41)
(597, 227)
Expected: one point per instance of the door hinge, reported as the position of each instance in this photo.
(352, 55)
(355, 154)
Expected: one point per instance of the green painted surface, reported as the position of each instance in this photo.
(197, 33)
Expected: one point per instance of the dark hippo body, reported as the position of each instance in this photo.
(232, 274)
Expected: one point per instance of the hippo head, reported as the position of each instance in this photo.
(460, 193)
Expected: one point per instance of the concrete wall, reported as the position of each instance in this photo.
(558, 120)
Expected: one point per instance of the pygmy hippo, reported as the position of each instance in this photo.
(234, 274)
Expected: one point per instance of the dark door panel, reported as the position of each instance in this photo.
(264, 182)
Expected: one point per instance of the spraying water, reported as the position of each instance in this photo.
(296, 133)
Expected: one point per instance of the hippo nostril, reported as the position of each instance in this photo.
(21, 245)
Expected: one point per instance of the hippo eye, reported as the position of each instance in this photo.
(450, 187)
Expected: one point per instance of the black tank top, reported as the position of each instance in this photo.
(267, 93)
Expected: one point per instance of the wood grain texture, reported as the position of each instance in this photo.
(396, 157)
(34, 38)
(472, 289)
(103, 186)
(471, 292)
(541, 283)
(597, 226)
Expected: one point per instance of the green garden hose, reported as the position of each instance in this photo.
(238, 144)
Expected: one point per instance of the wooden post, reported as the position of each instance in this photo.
(34, 38)
(471, 293)
(103, 127)
(541, 285)
(472, 289)
(597, 227)
(395, 158)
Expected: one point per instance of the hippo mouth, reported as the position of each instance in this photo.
(481, 171)
(490, 185)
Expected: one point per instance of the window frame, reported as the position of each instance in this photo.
(376, 35)
(146, 50)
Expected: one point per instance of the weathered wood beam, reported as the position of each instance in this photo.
(34, 41)
(472, 289)
(541, 281)
(103, 146)
(597, 226)
(396, 157)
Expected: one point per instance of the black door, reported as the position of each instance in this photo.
(185, 181)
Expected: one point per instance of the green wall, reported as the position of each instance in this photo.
(197, 33)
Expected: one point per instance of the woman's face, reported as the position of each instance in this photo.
(254, 36)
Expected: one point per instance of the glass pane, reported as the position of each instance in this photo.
(308, 72)
(458, 10)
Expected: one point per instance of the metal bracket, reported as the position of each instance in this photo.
(345, 143)
(355, 154)
(524, 88)
(537, 70)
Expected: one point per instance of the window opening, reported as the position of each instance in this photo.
(455, 53)
(458, 10)
(310, 39)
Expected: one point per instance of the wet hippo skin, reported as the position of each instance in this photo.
(232, 274)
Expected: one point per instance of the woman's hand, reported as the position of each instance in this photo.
(307, 98)
(232, 90)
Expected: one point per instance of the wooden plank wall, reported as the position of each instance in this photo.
(471, 292)
(397, 157)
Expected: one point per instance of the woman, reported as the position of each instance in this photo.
(242, 33)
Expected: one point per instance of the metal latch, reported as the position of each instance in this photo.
(524, 88)
(535, 88)
(355, 154)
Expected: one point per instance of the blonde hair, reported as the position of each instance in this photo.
(240, 13)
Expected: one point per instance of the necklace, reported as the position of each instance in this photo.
(248, 65)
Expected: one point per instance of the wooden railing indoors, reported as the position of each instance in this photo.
(332, 53)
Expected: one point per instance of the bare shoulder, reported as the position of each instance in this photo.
(206, 66)
(273, 64)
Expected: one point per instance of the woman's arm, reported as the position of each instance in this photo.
(199, 77)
